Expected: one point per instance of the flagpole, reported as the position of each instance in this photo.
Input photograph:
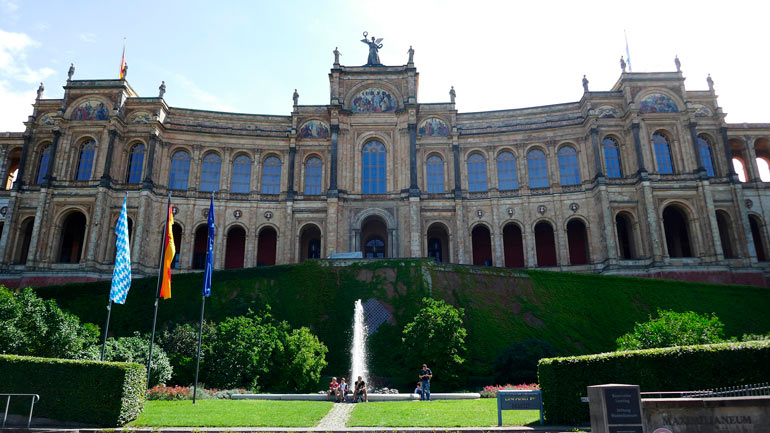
(106, 328)
(206, 287)
(198, 359)
(157, 290)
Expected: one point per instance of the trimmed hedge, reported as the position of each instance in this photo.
(683, 368)
(105, 394)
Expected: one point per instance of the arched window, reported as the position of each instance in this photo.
(212, 165)
(271, 176)
(763, 167)
(373, 173)
(435, 170)
(662, 154)
(677, 232)
(506, 172)
(42, 166)
(180, 170)
(740, 169)
(477, 173)
(374, 248)
(537, 168)
(14, 159)
(704, 145)
(86, 163)
(135, 164)
(569, 171)
(612, 158)
(241, 182)
(313, 176)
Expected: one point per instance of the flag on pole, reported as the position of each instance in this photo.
(168, 256)
(123, 60)
(121, 275)
(209, 252)
(628, 54)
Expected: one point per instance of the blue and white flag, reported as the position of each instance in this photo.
(121, 276)
(209, 252)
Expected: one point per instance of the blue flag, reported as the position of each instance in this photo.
(209, 252)
(121, 275)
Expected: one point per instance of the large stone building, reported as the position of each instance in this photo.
(636, 180)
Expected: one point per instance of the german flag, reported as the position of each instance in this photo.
(169, 251)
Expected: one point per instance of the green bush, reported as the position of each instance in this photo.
(181, 345)
(436, 337)
(518, 363)
(682, 368)
(36, 327)
(104, 394)
(298, 364)
(673, 329)
(136, 349)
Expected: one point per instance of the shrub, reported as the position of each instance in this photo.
(181, 345)
(136, 349)
(106, 394)
(36, 327)
(564, 380)
(436, 337)
(186, 393)
(673, 329)
(298, 363)
(491, 390)
(518, 362)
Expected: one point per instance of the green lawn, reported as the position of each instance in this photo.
(232, 413)
(441, 413)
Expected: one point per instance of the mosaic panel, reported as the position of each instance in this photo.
(140, 117)
(658, 103)
(93, 109)
(314, 129)
(373, 100)
(433, 127)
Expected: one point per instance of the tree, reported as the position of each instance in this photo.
(673, 329)
(32, 326)
(181, 345)
(436, 337)
(136, 349)
(518, 363)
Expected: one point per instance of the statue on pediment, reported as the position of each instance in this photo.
(374, 47)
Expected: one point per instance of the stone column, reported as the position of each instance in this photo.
(597, 152)
(23, 162)
(290, 186)
(456, 158)
(751, 164)
(728, 153)
(639, 154)
(711, 244)
(137, 255)
(414, 189)
(48, 180)
(415, 229)
(694, 137)
(96, 233)
(147, 183)
(652, 222)
(331, 226)
(332, 191)
(608, 232)
(106, 178)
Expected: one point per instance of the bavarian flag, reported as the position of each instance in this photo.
(168, 255)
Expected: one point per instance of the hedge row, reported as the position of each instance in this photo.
(684, 368)
(105, 394)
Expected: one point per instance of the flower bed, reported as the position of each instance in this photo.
(490, 391)
(186, 393)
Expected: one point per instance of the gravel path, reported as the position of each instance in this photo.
(337, 417)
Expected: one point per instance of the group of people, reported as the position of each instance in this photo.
(340, 390)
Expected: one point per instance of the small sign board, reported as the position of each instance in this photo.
(623, 406)
(518, 400)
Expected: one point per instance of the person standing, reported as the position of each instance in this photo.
(425, 376)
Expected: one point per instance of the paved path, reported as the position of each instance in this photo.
(337, 417)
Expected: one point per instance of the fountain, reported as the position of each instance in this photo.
(358, 348)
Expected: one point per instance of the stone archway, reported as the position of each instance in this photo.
(577, 242)
(545, 244)
(374, 238)
(677, 232)
(481, 242)
(72, 236)
(438, 242)
(513, 246)
(267, 243)
(370, 222)
(235, 248)
(309, 242)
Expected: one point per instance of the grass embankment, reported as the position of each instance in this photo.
(232, 413)
(441, 413)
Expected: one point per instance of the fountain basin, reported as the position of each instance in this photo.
(372, 397)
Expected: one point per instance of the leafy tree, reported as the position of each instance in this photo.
(181, 345)
(436, 337)
(136, 349)
(673, 329)
(298, 363)
(518, 362)
(36, 327)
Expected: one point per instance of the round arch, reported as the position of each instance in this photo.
(267, 244)
(77, 102)
(676, 217)
(545, 242)
(481, 244)
(437, 241)
(577, 240)
(310, 238)
(659, 90)
(372, 83)
(513, 243)
(72, 224)
(625, 221)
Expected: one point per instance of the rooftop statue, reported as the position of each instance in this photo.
(374, 46)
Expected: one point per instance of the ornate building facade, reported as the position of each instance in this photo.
(637, 180)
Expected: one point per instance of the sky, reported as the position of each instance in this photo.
(249, 56)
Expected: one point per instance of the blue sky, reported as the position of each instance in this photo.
(249, 56)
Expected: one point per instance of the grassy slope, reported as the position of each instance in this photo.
(232, 413)
(576, 313)
(441, 413)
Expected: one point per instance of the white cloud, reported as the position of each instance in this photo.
(88, 37)
(12, 114)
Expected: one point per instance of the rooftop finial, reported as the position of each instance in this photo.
(40, 91)
(162, 89)
(585, 84)
(295, 97)
(708, 80)
(622, 64)
(71, 72)
(678, 64)
(336, 56)
(452, 95)
(411, 55)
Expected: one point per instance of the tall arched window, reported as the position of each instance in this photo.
(86, 164)
(569, 171)
(42, 166)
(212, 165)
(506, 172)
(241, 181)
(180, 170)
(135, 164)
(740, 169)
(704, 144)
(662, 153)
(313, 170)
(612, 158)
(537, 168)
(271, 176)
(435, 170)
(477, 173)
(373, 174)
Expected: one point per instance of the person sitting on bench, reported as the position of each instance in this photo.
(360, 390)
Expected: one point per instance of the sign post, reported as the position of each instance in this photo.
(615, 408)
(519, 400)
